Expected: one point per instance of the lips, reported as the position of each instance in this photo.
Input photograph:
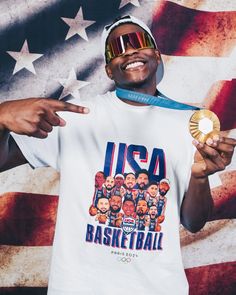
(133, 64)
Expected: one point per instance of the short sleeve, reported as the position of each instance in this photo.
(39, 152)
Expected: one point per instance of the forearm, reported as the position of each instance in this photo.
(4, 145)
(10, 154)
(197, 204)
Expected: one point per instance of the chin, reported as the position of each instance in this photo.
(134, 83)
(133, 80)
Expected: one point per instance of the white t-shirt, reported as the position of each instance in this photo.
(91, 257)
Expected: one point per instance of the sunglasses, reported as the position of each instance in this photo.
(118, 46)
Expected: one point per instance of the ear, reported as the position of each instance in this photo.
(158, 55)
(109, 72)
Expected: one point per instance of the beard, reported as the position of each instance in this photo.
(115, 210)
(103, 210)
(141, 186)
(129, 187)
(162, 192)
(109, 188)
(153, 216)
(140, 213)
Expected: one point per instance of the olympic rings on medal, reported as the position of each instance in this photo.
(124, 260)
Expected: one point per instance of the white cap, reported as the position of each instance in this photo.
(131, 19)
(165, 180)
(119, 175)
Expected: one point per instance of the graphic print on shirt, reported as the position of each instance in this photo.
(129, 201)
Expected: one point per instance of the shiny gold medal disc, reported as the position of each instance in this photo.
(204, 124)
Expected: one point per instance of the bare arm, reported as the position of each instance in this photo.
(33, 117)
(10, 154)
(211, 157)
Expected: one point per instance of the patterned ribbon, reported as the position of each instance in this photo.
(160, 100)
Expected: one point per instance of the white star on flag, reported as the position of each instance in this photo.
(72, 85)
(24, 59)
(77, 25)
(125, 2)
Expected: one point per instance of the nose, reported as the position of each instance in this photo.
(130, 50)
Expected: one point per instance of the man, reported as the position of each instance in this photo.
(119, 181)
(99, 181)
(103, 207)
(164, 187)
(142, 180)
(153, 221)
(82, 260)
(127, 190)
(152, 193)
(108, 186)
(141, 210)
(129, 213)
(128, 208)
(115, 206)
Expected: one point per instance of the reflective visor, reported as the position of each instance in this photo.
(138, 40)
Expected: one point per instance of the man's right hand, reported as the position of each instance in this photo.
(35, 116)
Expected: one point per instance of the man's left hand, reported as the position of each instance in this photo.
(212, 156)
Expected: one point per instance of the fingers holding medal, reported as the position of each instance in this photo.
(214, 152)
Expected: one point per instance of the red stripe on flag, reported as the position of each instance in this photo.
(184, 31)
(27, 219)
(224, 104)
(23, 291)
(215, 279)
(225, 197)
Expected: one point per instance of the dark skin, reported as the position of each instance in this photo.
(209, 158)
(33, 117)
(36, 117)
(142, 78)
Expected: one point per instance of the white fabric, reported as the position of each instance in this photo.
(78, 151)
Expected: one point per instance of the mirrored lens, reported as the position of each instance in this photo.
(138, 40)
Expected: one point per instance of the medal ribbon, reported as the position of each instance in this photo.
(160, 100)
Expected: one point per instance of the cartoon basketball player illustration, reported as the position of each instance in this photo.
(115, 207)
(103, 207)
(119, 181)
(152, 194)
(108, 185)
(142, 180)
(99, 181)
(153, 220)
(164, 187)
(93, 210)
(128, 208)
(141, 210)
(128, 218)
(128, 187)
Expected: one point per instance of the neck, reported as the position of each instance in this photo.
(151, 90)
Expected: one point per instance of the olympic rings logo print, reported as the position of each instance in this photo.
(124, 260)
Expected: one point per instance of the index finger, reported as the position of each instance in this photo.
(57, 105)
(228, 140)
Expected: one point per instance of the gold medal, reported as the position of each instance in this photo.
(204, 124)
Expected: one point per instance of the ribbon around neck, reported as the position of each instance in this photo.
(160, 100)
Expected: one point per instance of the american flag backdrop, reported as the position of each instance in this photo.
(51, 48)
